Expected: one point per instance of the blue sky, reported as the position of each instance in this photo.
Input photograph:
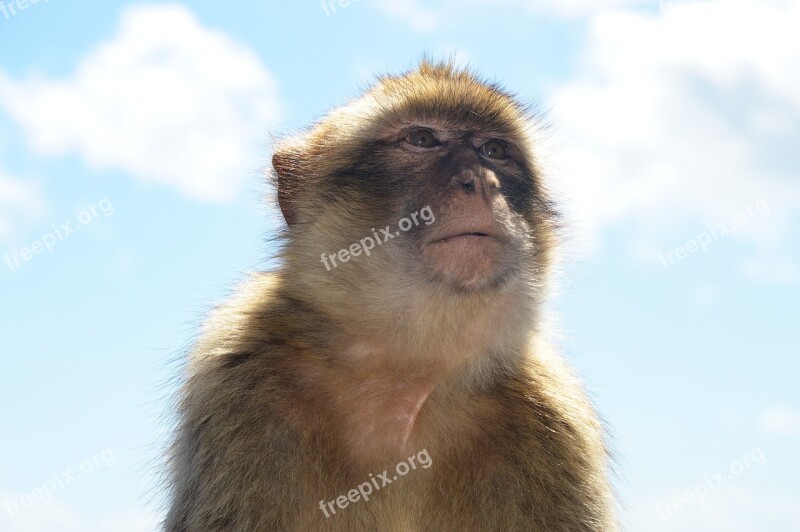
(132, 139)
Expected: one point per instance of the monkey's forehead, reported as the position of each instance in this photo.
(437, 94)
(458, 101)
(431, 96)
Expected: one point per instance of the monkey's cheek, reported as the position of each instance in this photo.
(468, 261)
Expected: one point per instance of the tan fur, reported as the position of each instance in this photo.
(308, 380)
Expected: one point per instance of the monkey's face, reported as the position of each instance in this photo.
(458, 202)
(476, 185)
(436, 168)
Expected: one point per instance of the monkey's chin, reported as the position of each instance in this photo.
(468, 262)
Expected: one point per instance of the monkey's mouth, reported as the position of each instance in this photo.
(467, 259)
(469, 234)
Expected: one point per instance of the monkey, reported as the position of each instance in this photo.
(403, 325)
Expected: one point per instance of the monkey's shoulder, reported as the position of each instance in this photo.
(259, 322)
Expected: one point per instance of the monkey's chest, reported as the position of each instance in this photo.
(380, 417)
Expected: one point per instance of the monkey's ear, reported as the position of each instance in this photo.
(284, 168)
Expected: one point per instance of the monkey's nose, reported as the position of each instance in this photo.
(467, 184)
(472, 183)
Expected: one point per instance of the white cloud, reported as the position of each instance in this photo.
(780, 420)
(165, 99)
(18, 198)
(682, 113)
(685, 117)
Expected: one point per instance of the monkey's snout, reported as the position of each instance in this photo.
(479, 183)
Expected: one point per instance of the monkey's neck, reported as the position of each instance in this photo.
(411, 330)
(389, 359)
(435, 334)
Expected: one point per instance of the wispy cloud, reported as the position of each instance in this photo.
(780, 420)
(431, 15)
(740, 506)
(55, 514)
(776, 269)
(18, 199)
(166, 99)
(578, 8)
(412, 12)
(679, 118)
(675, 117)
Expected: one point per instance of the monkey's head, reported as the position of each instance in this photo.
(426, 182)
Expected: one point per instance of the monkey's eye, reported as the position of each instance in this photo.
(422, 138)
(494, 150)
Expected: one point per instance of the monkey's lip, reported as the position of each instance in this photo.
(465, 235)
(467, 259)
